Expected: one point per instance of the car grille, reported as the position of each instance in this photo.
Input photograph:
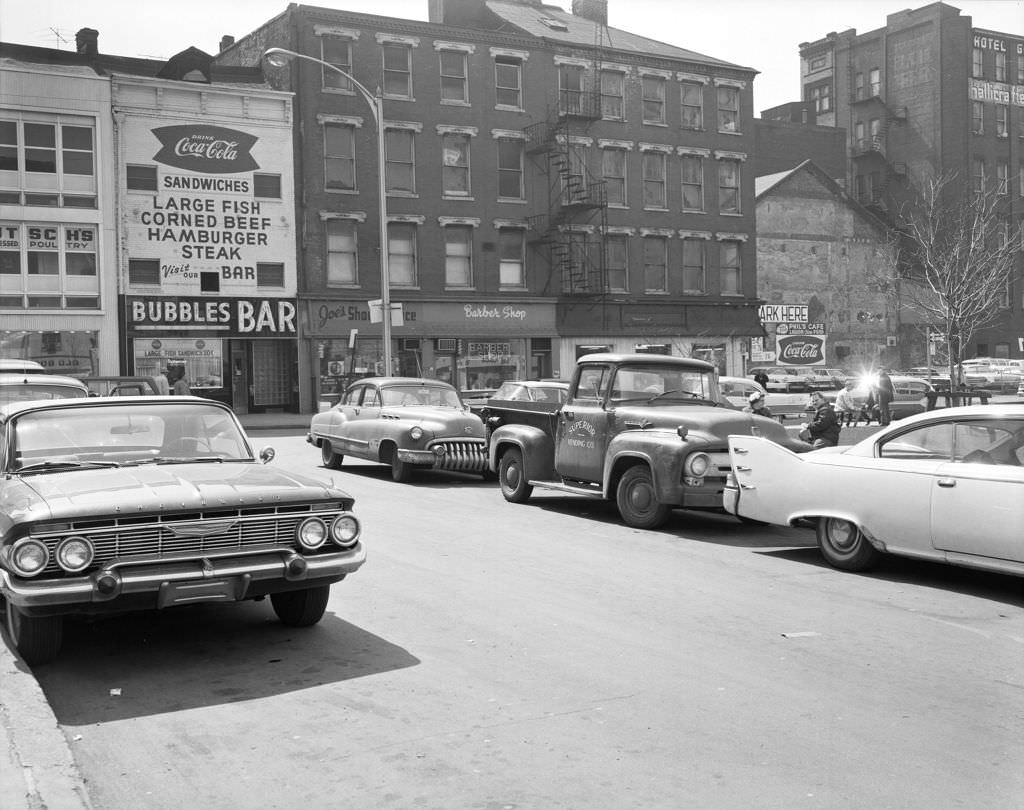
(461, 455)
(176, 534)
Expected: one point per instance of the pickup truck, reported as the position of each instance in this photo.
(649, 431)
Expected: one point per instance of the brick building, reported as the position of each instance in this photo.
(927, 94)
(552, 186)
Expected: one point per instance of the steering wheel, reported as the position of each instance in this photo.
(188, 446)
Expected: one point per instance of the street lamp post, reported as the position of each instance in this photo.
(279, 57)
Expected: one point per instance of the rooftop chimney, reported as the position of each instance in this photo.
(226, 42)
(86, 41)
(593, 10)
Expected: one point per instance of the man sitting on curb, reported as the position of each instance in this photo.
(823, 429)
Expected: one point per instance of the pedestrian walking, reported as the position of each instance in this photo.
(885, 393)
(163, 385)
(823, 429)
(846, 407)
(180, 385)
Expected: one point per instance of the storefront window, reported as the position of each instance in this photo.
(72, 353)
(203, 360)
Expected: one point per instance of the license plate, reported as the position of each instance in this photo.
(225, 589)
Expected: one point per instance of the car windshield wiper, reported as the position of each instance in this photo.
(689, 394)
(66, 465)
(183, 459)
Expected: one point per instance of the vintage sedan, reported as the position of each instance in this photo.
(407, 422)
(737, 391)
(785, 379)
(111, 504)
(944, 485)
(26, 386)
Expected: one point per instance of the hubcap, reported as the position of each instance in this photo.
(640, 497)
(842, 534)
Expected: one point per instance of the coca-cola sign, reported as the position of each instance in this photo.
(801, 350)
(207, 149)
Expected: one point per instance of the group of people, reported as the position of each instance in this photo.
(825, 421)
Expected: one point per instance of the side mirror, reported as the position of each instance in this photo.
(267, 454)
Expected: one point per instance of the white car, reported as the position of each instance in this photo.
(946, 485)
(737, 391)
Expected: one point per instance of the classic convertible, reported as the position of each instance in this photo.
(407, 422)
(945, 485)
(109, 504)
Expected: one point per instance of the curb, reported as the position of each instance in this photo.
(37, 769)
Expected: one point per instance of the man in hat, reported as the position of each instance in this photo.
(756, 405)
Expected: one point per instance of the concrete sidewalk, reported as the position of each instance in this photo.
(37, 767)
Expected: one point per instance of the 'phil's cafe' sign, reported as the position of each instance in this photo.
(219, 212)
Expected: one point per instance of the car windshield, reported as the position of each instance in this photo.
(664, 384)
(117, 435)
(413, 395)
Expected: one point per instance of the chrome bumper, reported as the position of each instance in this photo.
(211, 578)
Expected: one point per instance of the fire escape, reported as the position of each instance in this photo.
(874, 172)
(572, 227)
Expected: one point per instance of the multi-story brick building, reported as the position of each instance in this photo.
(552, 186)
(928, 94)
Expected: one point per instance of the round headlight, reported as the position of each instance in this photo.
(345, 530)
(416, 433)
(74, 554)
(697, 465)
(312, 533)
(29, 557)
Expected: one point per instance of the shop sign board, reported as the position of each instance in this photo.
(783, 313)
(234, 317)
(801, 344)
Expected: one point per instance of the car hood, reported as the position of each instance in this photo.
(150, 488)
(713, 425)
(442, 421)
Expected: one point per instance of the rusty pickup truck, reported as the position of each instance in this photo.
(649, 431)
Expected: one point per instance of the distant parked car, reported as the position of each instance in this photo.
(827, 379)
(784, 378)
(407, 422)
(30, 386)
(13, 365)
(737, 391)
(910, 394)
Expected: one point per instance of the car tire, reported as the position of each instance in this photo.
(843, 545)
(512, 476)
(36, 638)
(331, 460)
(401, 471)
(301, 608)
(637, 499)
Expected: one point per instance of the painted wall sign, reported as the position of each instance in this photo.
(996, 92)
(205, 148)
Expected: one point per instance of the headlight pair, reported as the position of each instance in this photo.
(342, 530)
(29, 556)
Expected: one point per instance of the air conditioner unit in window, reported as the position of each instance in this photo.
(446, 345)
(410, 344)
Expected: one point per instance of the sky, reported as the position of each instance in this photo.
(762, 34)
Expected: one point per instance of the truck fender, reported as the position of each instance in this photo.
(662, 451)
(537, 448)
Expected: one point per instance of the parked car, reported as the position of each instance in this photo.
(737, 391)
(1020, 388)
(826, 379)
(121, 386)
(152, 502)
(998, 374)
(920, 488)
(910, 394)
(23, 387)
(784, 378)
(407, 422)
(13, 365)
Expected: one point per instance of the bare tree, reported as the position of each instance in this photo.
(955, 256)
